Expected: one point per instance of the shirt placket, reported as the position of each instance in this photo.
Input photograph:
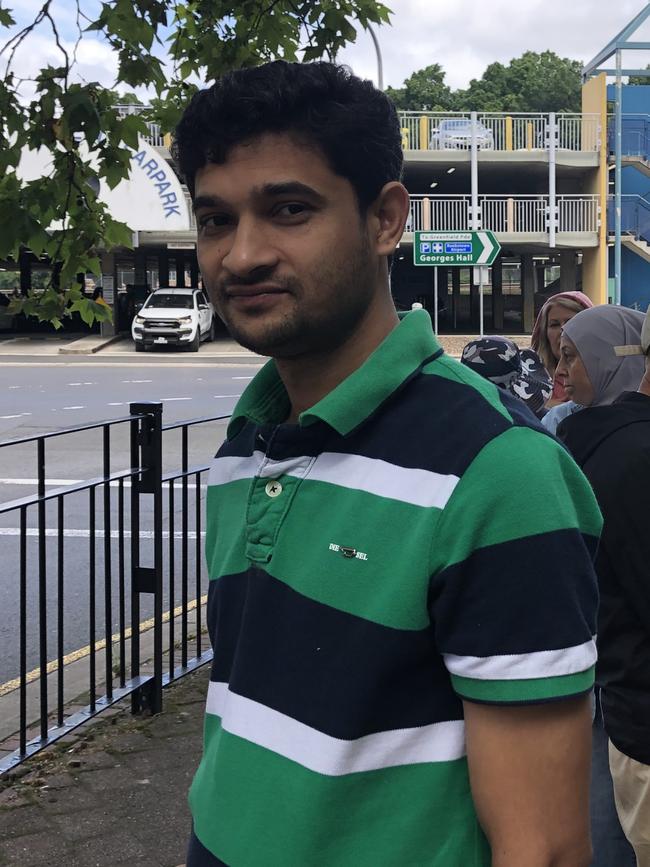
(272, 490)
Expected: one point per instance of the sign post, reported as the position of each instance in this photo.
(435, 301)
(481, 278)
(456, 250)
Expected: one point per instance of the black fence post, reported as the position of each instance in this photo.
(146, 457)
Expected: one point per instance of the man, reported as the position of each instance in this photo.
(612, 445)
(402, 600)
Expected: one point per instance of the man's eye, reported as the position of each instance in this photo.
(291, 209)
(212, 222)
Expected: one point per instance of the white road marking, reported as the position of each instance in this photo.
(114, 404)
(221, 361)
(19, 415)
(174, 398)
(242, 377)
(226, 395)
(11, 387)
(82, 383)
(73, 407)
(85, 534)
(137, 380)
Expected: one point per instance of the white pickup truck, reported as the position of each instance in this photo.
(179, 317)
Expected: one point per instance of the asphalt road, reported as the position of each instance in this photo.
(45, 394)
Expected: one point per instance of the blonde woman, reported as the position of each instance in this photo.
(552, 318)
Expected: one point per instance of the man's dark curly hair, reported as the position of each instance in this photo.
(354, 125)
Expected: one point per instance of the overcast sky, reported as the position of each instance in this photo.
(462, 35)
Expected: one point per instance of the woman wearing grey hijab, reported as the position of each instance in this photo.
(595, 371)
(594, 362)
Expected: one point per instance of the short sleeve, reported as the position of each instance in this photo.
(513, 595)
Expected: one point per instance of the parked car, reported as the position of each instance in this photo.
(7, 321)
(456, 134)
(180, 317)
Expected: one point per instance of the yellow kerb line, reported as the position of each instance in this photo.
(76, 655)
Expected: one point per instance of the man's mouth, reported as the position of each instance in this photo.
(254, 291)
(255, 299)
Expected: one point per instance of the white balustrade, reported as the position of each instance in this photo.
(498, 131)
(154, 135)
(503, 214)
(190, 208)
(578, 213)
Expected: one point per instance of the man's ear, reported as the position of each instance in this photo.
(388, 214)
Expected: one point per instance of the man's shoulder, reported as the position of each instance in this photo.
(471, 398)
(440, 420)
(457, 404)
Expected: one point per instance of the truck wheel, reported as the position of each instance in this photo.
(193, 346)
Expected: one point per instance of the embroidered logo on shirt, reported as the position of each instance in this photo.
(348, 553)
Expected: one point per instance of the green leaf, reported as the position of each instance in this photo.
(118, 234)
(6, 18)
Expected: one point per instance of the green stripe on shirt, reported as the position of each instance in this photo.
(523, 691)
(275, 813)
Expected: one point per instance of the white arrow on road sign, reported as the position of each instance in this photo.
(488, 246)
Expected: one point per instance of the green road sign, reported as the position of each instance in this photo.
(455, 249)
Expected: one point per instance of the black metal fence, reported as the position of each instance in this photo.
(127, 572)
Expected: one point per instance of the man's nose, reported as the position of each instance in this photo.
(250, 249)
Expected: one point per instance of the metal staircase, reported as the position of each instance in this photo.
(635, 224)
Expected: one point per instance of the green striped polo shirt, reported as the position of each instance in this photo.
(417, 540)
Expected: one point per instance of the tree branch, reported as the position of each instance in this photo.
(12, 45)
(59, 45)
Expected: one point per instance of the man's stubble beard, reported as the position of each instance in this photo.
(302, 331)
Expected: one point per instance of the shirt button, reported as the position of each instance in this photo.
(273, 489)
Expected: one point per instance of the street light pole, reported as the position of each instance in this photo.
(380, 65)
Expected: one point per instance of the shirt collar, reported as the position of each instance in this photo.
(400, 355)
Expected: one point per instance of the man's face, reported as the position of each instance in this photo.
(282, 248)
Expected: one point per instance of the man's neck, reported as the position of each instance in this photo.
(309, 378)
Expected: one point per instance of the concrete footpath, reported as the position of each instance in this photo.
(71, 347)
(223, 350)
(112, 793)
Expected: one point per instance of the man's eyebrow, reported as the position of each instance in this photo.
(207, 202)
(288, 188)
(268, 191)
